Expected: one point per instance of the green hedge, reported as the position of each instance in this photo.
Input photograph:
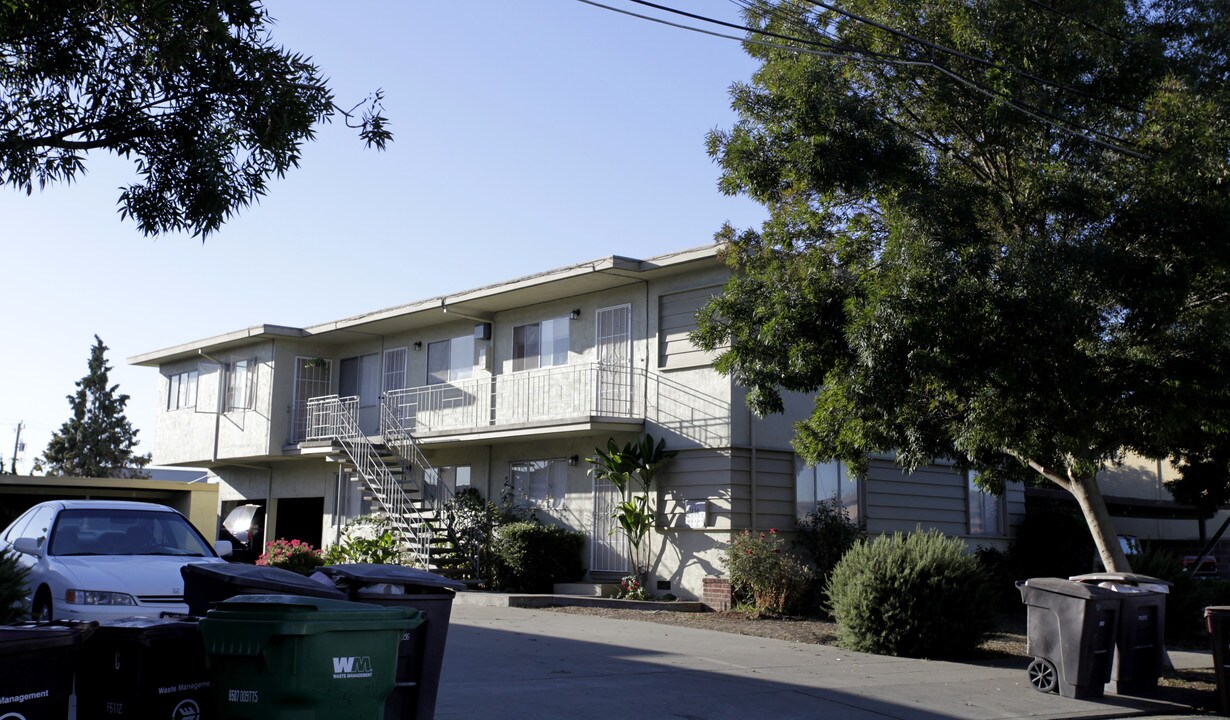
(531, 557)
(916, 595)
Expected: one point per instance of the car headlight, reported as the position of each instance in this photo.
(98, 597)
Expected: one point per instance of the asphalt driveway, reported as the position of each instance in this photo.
(511, 663)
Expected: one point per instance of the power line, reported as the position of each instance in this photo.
(852, 54)
(935, 47)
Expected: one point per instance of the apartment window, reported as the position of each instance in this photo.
(986, 511)
(182, 391)
(815, 484)
(241, 385)
(360, 376)
(540, 483)
(450, 360)
(540, 344)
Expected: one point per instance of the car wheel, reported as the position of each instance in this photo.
(42, 611)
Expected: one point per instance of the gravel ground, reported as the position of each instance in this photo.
(1007, 644)
(1004, 647)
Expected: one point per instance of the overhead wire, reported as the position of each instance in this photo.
(936, 47)
(849, 53)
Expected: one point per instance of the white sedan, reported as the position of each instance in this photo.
(100, 559)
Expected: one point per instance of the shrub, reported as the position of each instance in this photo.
(12, 588)
(369, 539)
(916, 595)
(532, 557)
(823, 537)
(471, 522)
(293, 555)
(764, 572)
(997, 565)
(1188, 595)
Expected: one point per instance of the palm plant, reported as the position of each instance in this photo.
(638, 461)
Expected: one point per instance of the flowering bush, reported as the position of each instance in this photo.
(630, 588)
(764, 572)
(293, 555)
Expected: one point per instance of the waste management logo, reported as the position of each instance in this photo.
(346, 668)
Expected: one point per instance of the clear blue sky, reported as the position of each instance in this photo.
(529, 135)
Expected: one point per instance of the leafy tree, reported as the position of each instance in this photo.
(997, 233)
(97, 441)
(196, 90)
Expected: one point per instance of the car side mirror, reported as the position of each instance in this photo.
(224, 548)
(28, 546)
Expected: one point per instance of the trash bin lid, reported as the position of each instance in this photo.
(146, 628)
(300, 607)
(375, 574)
(17, 639)
(1059, 586)
(262, 577)
(1126, 578)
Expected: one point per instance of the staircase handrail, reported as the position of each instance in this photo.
(336, 418)
(406, 446)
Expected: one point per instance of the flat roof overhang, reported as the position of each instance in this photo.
(480, 304)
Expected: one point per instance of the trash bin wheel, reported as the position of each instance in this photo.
(1042, 675)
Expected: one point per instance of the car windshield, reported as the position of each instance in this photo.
(102, 531)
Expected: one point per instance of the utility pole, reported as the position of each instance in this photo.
(16, 448)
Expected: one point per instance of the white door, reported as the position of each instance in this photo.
(609, 544)
(614, 391)
(311, 380)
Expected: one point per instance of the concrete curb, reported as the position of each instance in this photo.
(518, 600)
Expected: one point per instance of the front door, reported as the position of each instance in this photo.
(609, 544)
(614, 361)
(311, 380)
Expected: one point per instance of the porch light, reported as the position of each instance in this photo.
(418, 344)
(573, 460)
(575, 314)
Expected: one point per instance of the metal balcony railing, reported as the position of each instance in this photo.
(563, 393)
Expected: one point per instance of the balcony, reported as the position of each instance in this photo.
(546, 397)
(578, 397)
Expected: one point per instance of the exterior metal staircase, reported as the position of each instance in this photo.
(387, 473)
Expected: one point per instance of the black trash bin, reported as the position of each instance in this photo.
(209, 583)
(1217, 618)
(421, 653)
(1140, 644)
(144, 668)
(36, 668)
(1071, 634)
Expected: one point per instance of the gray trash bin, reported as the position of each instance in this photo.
(208, 583)
(421, 654)
(1071, 634)
(1140, 644)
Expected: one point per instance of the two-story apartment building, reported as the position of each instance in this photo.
(508, 388)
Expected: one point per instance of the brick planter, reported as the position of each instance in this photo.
(716, 594)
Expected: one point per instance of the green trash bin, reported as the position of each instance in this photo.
(290, 657)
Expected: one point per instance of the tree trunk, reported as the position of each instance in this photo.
(1084, 488)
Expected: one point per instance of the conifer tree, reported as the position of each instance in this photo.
(98, 440)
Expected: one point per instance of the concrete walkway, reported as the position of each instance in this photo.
(508, 663)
